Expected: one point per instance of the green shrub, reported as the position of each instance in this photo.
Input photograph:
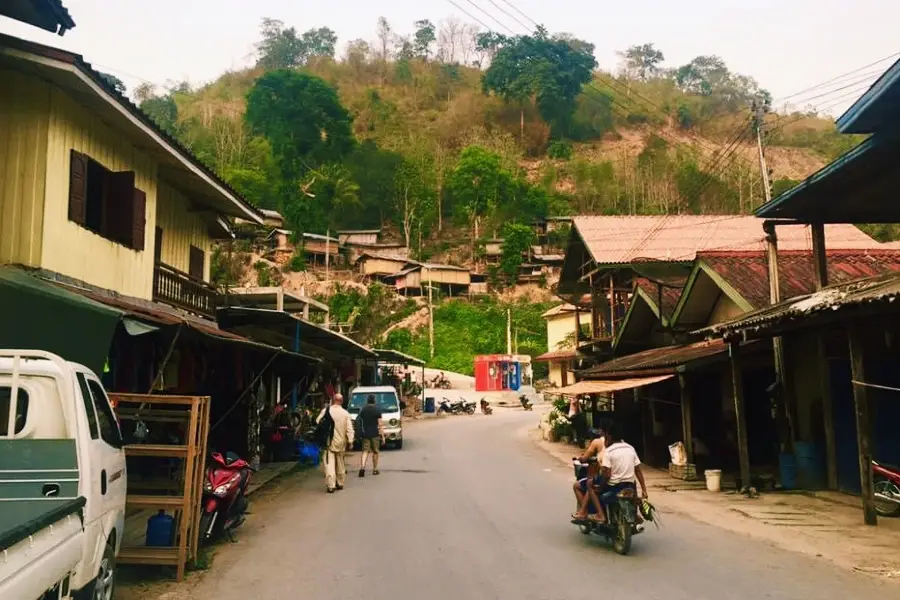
(560, 149)
(298, 263)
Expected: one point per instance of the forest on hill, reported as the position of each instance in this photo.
(436, 128)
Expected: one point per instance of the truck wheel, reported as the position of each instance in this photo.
(104, 585)
(398, 444)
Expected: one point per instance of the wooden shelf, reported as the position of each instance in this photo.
(150, 501)
(148, 555)
(158, 450)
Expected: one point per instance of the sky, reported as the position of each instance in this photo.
(787, 45)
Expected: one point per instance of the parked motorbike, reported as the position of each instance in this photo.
(224, 495)
(887, 489)
(526, 404)
(445, 407)
(468, 406)
(486, 407)
(621, 516)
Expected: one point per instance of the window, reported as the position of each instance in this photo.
(21, 415)
(106, 202)
(197, 260)
(109, 428)
(88, 407)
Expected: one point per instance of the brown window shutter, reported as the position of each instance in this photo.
(118, 206)
(196, 262)
(139, 220)
(78, 187)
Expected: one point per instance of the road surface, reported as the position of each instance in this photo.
(471, 509)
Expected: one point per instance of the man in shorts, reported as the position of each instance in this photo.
(372, 434)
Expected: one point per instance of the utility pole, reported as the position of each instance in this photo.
(430, 319)
(508, 331)
(759, 113)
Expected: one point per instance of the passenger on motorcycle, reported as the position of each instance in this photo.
(585, 488)
(620, 468)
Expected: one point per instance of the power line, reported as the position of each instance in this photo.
(881, 60)
(513, 6)
(492, 17)
(510, 15)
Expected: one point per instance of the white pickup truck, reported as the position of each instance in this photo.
(62, 480)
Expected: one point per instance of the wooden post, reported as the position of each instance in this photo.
(737, 382)
(863, 425)
(646, 422)
(687, 433)
(612, 306)
(820, 262)
(785, 407)
(827, 414)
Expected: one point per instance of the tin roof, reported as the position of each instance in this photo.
(748, 273)
(671, 292)
(556, 355)
(771, 320)
(678, 238)
(656, 360)
(49, 15)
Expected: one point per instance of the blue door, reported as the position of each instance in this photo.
(845, 439)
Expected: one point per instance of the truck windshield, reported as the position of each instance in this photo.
(386, 401)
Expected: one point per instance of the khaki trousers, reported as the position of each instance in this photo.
(335, 469)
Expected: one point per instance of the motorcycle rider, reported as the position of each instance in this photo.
(620, 468)
(585, 488)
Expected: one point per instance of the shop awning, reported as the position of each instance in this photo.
(610, 385)
(396, 357)
(658, 361)
(285, 330)
(36, 314)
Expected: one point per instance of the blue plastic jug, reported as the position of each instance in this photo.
(161, 530)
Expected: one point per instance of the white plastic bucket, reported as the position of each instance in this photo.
(713, 480)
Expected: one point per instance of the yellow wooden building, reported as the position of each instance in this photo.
(561, 355)
(92, 189)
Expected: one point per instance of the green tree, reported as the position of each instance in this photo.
(550, 71)
(115, 82)
(517, 240)
(282, 48)
(477, 184)
(643, 61)
(319, 42)
(424, 38)
(163, 111)
(302, 118)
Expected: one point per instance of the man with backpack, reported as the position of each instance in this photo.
(371, 432)
(334, 435)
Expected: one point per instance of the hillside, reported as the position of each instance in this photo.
(422, 136)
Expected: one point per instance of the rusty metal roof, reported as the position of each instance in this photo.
(556, 355)
(671, 292)
(678, 238)
(771, 320)
(748, 272)
(656, 360)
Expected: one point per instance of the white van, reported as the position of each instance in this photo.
(62, 480)
(391, 410)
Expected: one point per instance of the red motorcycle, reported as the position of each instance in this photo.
(224, 495)
(887, 489)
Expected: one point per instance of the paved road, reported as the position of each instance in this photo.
(471, 509)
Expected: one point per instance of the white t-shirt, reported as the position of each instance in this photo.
(621, 459)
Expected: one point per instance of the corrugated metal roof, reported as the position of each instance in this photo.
(604, 387)
(881, 289)
(748, 272)
(556, 355)
(656, 360)
(671, 292)
(678, 238)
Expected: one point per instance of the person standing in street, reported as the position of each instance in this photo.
(340, 440)
(372, 434)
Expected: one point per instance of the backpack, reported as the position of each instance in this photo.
(324, 429)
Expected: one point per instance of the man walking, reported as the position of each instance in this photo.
(341, 439)
(372, 434)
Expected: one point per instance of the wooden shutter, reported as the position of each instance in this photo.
(157, 245)
(118, 205)
(139, 220)
(78, 188)
(197, 260)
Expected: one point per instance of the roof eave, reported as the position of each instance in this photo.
(853, 119)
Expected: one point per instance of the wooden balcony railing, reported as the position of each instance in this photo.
(179, 289)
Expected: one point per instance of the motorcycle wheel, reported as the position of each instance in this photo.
(622, 543)
(888, 488)
(206, 519)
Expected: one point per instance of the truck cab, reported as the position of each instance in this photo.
(62, 479)
(387, 400)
